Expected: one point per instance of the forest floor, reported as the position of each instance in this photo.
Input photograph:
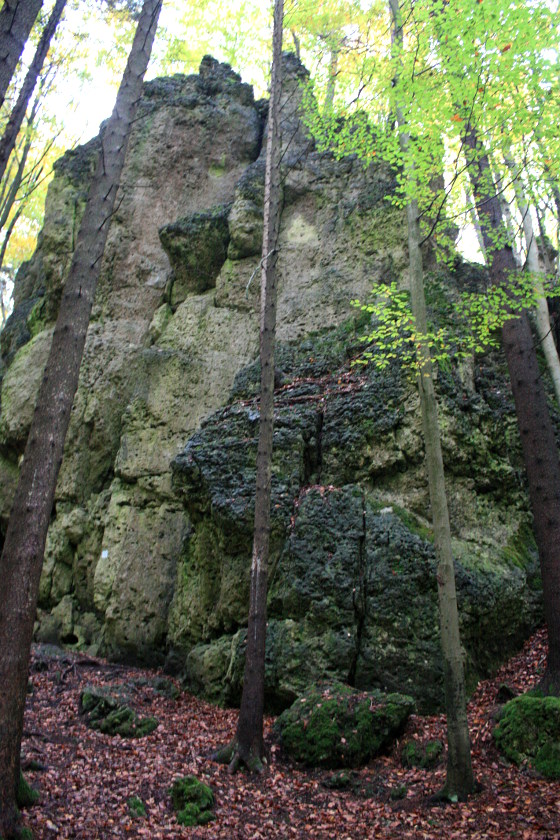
(86, 778)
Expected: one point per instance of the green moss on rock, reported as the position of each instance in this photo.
(337, 726)
(529, 730)
(421, 755)
(110, 715)
(192, 800)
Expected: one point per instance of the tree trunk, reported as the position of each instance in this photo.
(459, 783)
(18, 112)
(331, 81)
(474, 219)
(508, 222)
(16, 22)
(22, 556)
(542, 319)
(540, 452)
(248, 744)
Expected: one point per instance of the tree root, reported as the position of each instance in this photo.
(231, 755)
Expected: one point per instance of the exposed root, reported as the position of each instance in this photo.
(231, 755)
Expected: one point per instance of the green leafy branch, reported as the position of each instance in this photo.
(477, 320)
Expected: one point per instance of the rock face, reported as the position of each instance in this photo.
(148, 561)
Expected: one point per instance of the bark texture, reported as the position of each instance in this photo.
(542, 319)
(459, 781)
(18, 112)
(249, 747)
(22, 556)
(16, 21)
(540, 451)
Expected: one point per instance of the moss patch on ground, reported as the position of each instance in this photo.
(26, 796)
(425, 755)
(192, 800)
(136, 807)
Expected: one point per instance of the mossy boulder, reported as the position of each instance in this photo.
(192, 800)
(338, 726)
(108, 714)
(529, 730)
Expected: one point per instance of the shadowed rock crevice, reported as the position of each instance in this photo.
(197, 249)
(312, 451)
(359, 598)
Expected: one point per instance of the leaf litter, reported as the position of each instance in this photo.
(86, 779)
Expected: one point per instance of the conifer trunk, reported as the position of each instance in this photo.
(459, 783)
(542, 318)
(16, 22)
(248, 744)
(540, 452)
(22, 556)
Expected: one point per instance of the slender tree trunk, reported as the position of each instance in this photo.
(18, 112)
(22, 556)
(16, 22)
(8, 200)
(459, 781)
(248, 744)
(542, 319)
(540, 452)
(508, 222)
(474, 219)
(331, 83)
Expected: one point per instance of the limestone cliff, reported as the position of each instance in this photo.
(149, 549)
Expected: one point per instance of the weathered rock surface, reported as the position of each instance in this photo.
(352, 592)
(140, 565)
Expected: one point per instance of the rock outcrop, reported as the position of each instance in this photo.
(149, 561)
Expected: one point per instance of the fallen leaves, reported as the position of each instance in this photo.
(89, 777)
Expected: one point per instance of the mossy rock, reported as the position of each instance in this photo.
(337, 726)
(192, 800)
(529, 730)
(109, 715)
(421, 755)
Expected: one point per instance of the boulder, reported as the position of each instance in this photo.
(529, 731)
(337, 726)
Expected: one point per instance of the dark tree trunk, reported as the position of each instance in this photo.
(16, 22)
(18, 112)
(248, 745)
(22, 556)
(540, 452)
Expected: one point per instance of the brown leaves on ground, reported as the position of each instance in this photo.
(88, 778)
